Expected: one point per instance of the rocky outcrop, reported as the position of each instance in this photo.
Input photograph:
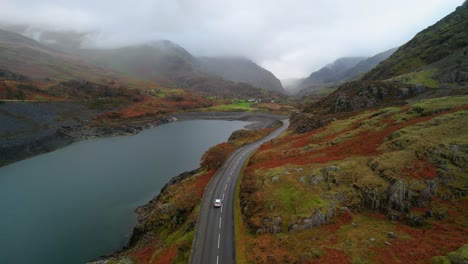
(147, 213)
(79, 132)
(305, 122)
(400, 196)
(318, 218)
(271, 225)
(352, 97)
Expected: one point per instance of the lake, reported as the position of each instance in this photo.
(76, 203)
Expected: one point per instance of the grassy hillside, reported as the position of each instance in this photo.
(444, 43)
(339, 186)
(28, 57)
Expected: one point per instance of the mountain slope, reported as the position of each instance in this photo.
(366, 65)
(319, 90)
(241, 70)
(28, 57)
(170, 65)
(332, 72)
(433, 49)
(160, 61)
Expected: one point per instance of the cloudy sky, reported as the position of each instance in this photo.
(291, 38)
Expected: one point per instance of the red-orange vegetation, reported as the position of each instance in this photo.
(333, 256)
(365, 143)
(437, 239)
(268, 249)
(420, 170)
(165, 256)
(202, 181)
(341, 219)
(332, 136)
(144, 254)
(215, 156)
(301, 140)
(266, 146)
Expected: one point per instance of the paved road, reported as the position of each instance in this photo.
(214, 237)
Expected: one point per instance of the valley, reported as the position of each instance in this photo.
(115, 144)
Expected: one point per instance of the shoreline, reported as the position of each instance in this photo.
(65, 135)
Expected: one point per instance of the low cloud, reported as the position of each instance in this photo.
(290, 38)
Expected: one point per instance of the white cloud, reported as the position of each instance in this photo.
(291, 38)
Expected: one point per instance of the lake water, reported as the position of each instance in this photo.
(76, 203)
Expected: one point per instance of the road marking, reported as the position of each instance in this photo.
(223, 194)
(225, 187)
(219, 238)
(229, 178)
(220, 219)
(217, 259)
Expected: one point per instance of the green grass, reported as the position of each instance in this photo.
(424, 77)
(242, 106)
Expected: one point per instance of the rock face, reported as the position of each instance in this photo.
(318, 218)
(355, 96)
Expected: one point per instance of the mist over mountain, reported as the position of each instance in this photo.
(241, 70)
(343, 72)
(332, 72)
(292, 85)
(162, 61)
(366, 65)
(33, 59)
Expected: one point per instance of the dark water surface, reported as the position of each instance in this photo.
(76, 203)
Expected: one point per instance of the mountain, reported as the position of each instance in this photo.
(35, 60)
(364, 66)
(436, 55)
(170, 65)
(319, 90)
(241, 70)
(332, 72)
(161, 61)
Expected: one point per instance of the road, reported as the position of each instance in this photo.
(214, 236)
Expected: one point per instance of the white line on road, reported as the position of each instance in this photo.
(217, 259)
(229, 178)
(219, 238)
(225, 186)
(223, 194)
(220, 220)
